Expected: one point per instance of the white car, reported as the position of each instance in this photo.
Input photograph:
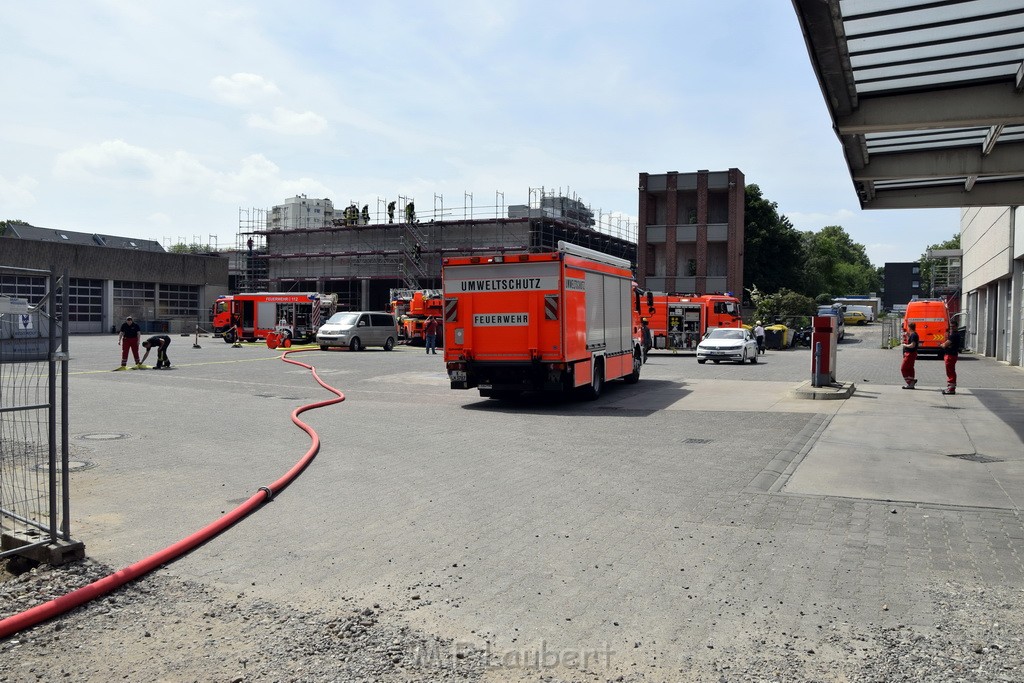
(723, 343)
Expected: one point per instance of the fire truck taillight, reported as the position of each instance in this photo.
(558, 366)
(457, 367)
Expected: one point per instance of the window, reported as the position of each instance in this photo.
(136, 298)
(727, 307)
(32, 289)
(178, 301)
(85, 300)
(915, 284)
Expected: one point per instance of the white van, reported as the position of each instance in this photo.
(358, 329)
(868, 311)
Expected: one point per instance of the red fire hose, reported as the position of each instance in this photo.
(76, 598)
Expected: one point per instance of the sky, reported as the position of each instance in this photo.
(170, 121)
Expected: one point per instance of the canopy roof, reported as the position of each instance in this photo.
(925, 96)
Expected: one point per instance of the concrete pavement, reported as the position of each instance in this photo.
(702, 514)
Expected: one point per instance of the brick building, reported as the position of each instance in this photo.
(690, 232)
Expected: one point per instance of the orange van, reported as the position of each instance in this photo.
(932, 318)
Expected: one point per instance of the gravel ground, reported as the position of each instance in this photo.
(163, 628)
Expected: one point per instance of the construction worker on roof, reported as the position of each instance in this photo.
(366, 214)
(410, 213)
(391, 212)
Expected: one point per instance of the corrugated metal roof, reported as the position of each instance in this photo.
(925, 97)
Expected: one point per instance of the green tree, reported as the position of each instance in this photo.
(791, 308)
(182, 248)
(836, 265)
(773, 253)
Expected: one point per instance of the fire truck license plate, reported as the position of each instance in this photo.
(458, 375)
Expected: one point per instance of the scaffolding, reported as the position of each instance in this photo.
(247, 270)
(401, 244)
(946, 271)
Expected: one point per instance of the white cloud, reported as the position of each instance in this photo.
(119, 163)
(817, 221)
(243, 89)
(289, 122)
(125, 167)
(16, 194)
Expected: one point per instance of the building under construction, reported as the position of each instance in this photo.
(361, 255)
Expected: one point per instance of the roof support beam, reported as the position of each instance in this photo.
(991, 138)
(978, 105)
(1005, 159)
(1001, 193)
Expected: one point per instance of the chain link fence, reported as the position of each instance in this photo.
(34, 489)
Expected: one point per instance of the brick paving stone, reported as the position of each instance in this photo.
(592, 512)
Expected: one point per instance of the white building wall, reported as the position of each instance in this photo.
(985, 239)
(300, 212)
(992, 239)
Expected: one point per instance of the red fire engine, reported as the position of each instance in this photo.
(291, 315)
(411, 308)
(678, 322)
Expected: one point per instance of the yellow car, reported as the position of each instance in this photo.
(855, 318)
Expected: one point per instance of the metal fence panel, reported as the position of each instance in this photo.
(34, 491)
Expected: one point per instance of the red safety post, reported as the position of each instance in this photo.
(824, 340)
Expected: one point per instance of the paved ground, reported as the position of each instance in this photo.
(699, 516)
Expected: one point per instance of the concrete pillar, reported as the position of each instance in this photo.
(701, 247)
(641, 234)
(671, 219)
(736, 233)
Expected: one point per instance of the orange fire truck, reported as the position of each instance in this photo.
(411, 308)
(554, 321)
(679, 322)
(292, 315)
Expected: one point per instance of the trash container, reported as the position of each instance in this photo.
(775, 337)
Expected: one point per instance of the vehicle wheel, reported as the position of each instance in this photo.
(229, 337)
(389, 344)
(593, 391)
(638, 361)
(355, 344)
(716, 362)
(744, 359)
(701, 361)
(753, 361)
(323, 347)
